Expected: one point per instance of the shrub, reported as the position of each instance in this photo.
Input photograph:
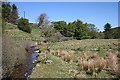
(23, 24)
(55, 37)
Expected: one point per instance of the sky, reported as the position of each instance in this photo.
(62, 0)
(98, 13)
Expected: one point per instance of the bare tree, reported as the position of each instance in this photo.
(44, 23)
(42, 19)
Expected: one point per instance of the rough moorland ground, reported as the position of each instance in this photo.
(60, 68)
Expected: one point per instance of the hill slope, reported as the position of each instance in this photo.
(60, 68)
(21, 36)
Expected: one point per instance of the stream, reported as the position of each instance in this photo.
(25, 70)
(30, 64)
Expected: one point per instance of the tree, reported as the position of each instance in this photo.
(75, 29)
(61, 26)
(6, 10)
(45, 25)
(107, 31)
(14, 14)
(23, 24)
(100, 35)
(81, 30)
(70, 30)
(43, 20)
(93, 31)
(9, 14)
(3, 10)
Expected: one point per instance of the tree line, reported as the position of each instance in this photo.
(111, 33)
(76, 29)
(9, 13)
(79, 30)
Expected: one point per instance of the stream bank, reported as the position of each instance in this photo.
(24, 70)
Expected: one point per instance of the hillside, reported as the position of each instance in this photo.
(116, 31)
(58, 46)
(21, 36)
(59, 68)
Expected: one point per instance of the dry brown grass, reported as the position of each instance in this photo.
(100, 64)
(66, 55)
(97, 64)
(62, 53)
(54, 52)
(112, 62)
(92, 64)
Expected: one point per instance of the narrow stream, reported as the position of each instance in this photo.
(25, 70)
(30, 63)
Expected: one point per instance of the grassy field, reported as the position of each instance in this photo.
(59, 68)
(62, 69)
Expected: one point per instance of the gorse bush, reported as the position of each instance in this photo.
(23, 24)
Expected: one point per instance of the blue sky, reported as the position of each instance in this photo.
(98, 13)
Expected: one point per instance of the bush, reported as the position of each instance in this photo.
(48, 32)
(23, 24)
(55, 37)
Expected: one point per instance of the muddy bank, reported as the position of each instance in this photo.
(12, 54)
